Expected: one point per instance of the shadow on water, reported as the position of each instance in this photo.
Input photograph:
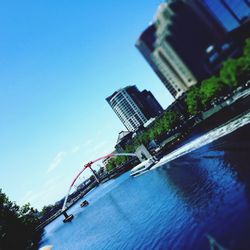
(192, 185)
(235, 148)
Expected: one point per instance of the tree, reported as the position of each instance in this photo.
(46, 209)
(244, 63)
(228, 72)
(14, 219)
(243, 73)
(233, 72)
(193, 100)
(110, 165)
(210, 88)
(246, 50)
(237, 71)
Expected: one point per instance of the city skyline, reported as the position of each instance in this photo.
(109, 105)
(59, 61)
(54, 117)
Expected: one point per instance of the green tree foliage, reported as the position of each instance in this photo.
(46, 209)
(237, 71)
(233, 73)
(229, 72)
(116, 161)
(243, 73)
(111, 164)
(17, 225)
(193, 100)
(210, 88)
(244, 64)
(129, 148)
(246, 51)
(161, 126)
(170, 120)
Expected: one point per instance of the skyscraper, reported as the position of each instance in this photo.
(133, 107)
(176, 44)
(231, 14)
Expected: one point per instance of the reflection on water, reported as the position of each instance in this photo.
(190, 183)
(238, 162)
(204, 192)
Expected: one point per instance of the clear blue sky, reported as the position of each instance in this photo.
(59, 60)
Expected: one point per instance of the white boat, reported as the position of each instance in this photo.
(143, 166)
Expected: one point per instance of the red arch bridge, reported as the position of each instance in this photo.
(88, 165)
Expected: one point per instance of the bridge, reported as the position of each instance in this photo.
(87, 166)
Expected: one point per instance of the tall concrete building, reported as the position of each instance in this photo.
(133, 107)
(176, 44)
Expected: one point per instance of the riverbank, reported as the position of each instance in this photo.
(205, 192)
(228, 109)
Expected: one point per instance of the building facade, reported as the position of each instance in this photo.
(176, 44)
(124, 139)
(133, 107)
(231, 14)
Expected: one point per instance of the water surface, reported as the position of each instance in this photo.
(202, 190)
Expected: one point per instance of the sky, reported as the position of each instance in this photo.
(59, 60)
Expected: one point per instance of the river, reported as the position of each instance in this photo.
(198, 194)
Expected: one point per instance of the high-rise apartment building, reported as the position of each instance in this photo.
(230, 13)
(133, 107)
(176, 44)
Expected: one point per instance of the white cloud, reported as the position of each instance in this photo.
(51, 182)
(87, 143)
(26, 198)
(98, 146)
(56, 161)
(101, 149)
(75, 149)
(32, 197)
(50, 191)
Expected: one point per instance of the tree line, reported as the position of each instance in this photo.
(234, 72)
(160, 126)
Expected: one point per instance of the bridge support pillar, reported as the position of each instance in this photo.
(95, 175)
(67, 218)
